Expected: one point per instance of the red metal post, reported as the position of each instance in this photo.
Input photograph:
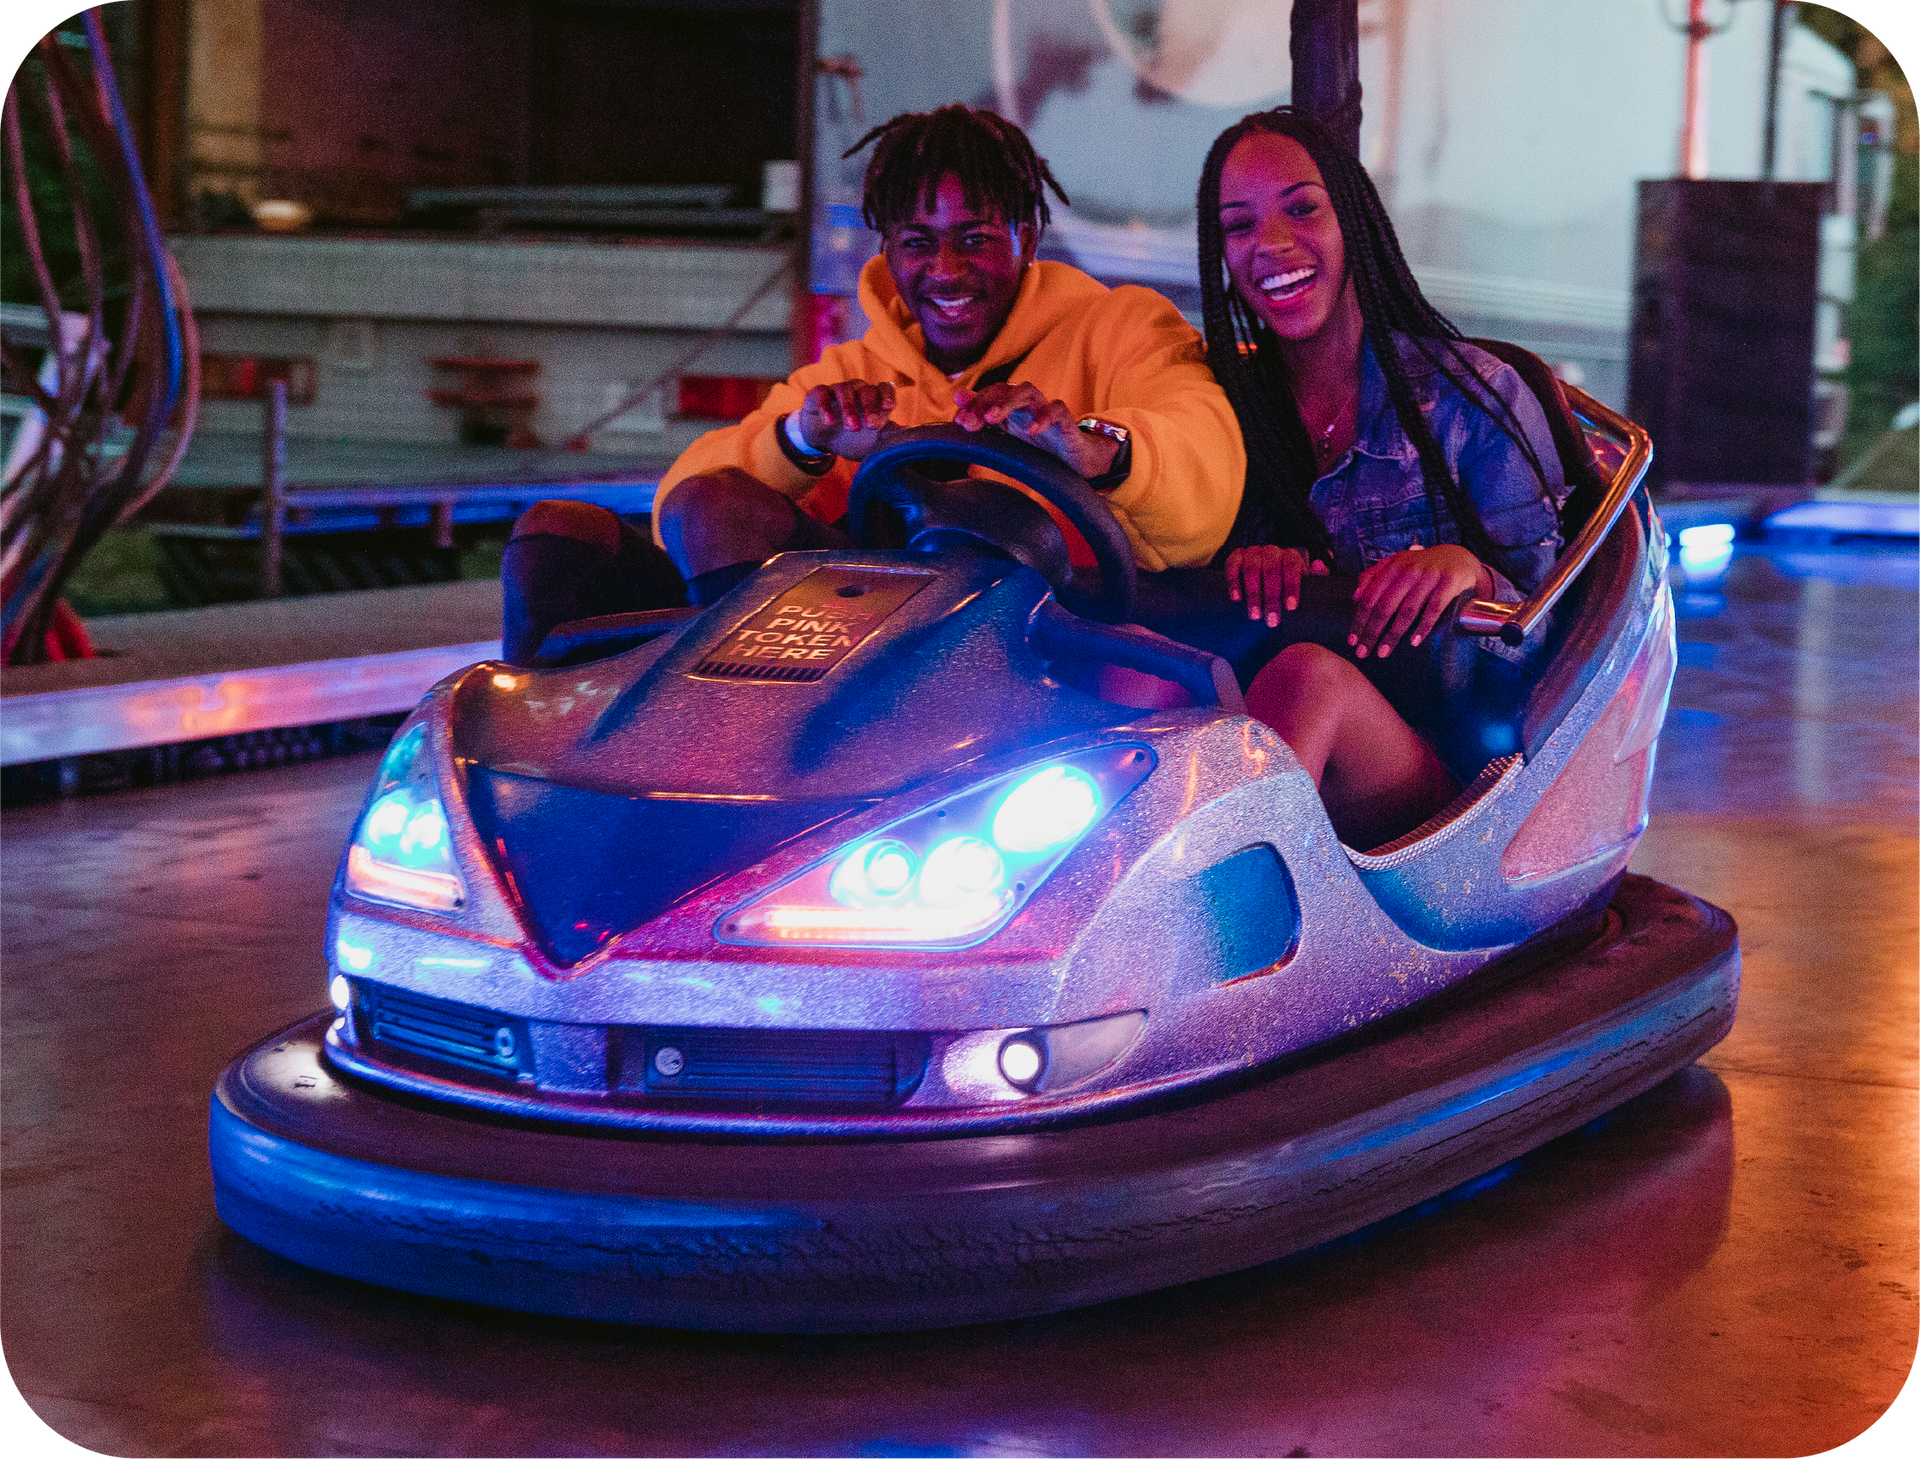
(273, 487)
(1693, 115)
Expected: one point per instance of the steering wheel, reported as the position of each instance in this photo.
(998, 515)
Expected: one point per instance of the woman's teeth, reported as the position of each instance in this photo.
(1288, 285)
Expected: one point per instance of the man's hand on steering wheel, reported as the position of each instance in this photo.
(1025, 413)
(845, 419)
(888, 478)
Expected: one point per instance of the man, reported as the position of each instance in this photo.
(967, 327)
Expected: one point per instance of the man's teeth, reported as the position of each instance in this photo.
(1286, 283)
(953, 303)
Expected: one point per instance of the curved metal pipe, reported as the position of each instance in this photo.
(148, 220)
(1514, 621)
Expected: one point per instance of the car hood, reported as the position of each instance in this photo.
(609, 791)
(942, 676)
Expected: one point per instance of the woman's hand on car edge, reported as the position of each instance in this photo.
(1267, 579)
(1410, 590)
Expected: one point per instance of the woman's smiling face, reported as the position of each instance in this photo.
(1283, 247)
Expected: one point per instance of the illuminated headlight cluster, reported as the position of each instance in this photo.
(402, 851)
(950, 875)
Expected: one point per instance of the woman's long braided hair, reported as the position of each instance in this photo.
(995, 163)
(1246, 358)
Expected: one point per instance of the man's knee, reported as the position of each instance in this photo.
(721, 517)
(595, 526)
(726, 495)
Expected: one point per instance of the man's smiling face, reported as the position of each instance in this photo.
(958, 269)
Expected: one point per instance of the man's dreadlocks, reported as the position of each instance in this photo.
(995, 163)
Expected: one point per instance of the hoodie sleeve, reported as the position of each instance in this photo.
(1189, 463)
(751, 445)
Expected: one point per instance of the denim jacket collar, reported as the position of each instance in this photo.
(1377, 430)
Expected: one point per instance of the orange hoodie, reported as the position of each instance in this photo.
(1123, 354)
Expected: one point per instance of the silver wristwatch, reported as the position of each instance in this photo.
(1122, 458)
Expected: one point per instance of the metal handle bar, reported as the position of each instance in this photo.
(1514, 621)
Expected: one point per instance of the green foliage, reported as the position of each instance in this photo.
(120, 575)
(1884, 323)
(481, 558)
(1842, 32)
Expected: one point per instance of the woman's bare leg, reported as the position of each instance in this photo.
(1377, 777)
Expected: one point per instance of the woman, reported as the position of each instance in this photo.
(1380, 447)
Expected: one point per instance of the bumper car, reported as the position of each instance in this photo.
(839, 959)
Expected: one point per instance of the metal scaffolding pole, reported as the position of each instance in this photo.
(1324, 43)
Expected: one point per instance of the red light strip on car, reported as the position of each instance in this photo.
(429, 889)
(842, 924)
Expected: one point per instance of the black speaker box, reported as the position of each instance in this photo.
(1724, 294)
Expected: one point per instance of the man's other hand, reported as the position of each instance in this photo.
(1023, 411)
(845, 419)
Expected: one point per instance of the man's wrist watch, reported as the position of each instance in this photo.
(1122, 463)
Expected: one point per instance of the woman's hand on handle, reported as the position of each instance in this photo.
(1267, 579)
(1410, 590)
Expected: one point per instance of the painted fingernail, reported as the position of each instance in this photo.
(1273, 620)
(1385, 650)
(1292, 603)
(1360, 652)
(1414, 642)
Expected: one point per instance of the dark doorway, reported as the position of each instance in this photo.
(662, 93)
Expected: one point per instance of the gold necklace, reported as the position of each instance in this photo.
(1322, 440)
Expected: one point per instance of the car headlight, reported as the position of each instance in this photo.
(402, 851)
(952, 874)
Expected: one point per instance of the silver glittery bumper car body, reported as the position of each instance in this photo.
(839, 958)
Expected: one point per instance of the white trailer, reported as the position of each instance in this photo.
(1506, 136)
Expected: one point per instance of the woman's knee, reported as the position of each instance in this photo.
(1303, 678)
(581, 521)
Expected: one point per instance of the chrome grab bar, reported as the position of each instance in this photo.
(1514, 621)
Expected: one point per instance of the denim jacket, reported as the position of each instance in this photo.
(1374, 501)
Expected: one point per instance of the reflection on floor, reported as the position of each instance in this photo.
(1727, 1265)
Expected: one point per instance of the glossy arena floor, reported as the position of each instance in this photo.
(1725, 1266)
